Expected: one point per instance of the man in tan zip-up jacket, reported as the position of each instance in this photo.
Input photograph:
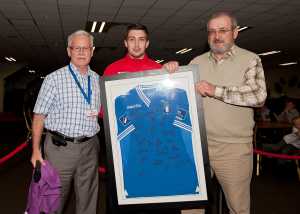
(232, 83)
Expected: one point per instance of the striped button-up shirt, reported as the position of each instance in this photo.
(65, 107)
(252, 93)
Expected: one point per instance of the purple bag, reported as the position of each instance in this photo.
(44, 194)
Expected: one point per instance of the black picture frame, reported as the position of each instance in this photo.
(114, 87)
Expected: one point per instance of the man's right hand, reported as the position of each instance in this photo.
(205, 88)
(37, 131)
(37, 155)
(171, 66)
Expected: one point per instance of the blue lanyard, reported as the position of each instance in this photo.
(87, 96)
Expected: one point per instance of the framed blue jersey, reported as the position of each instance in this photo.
(155, 138)
(154, 132)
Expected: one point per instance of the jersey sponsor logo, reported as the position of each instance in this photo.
(124, 120)
(181, 114)
(134, 106)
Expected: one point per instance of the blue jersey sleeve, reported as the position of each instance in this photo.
(125, 127)
(123, 119)
(183, 120)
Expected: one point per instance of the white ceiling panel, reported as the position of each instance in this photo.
(46, 7)
(133, 11)
(159, 13)
(106, 3)
(170, 4)
(74, 2)
(73, 10)
(153, 20)
(224, 6)
(201, 6)
(127, 19)
(100, 18)
(23, 23)
(138, 4)
(103, 11)
(257, 8)
(37, 3)
(172, 24)
(286, 9)
(18, 11)
(270, 1)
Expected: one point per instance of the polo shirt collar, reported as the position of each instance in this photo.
(139, 60)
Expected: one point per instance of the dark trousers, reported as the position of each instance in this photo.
(77, 164)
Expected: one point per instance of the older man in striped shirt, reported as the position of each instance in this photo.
(67, 106)
(232, 83)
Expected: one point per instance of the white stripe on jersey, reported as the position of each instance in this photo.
(182, 125)
(126, 132)
(142, 96)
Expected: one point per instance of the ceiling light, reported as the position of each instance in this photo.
(8, 59)
(101, 27)
(240, 29)
(178, 52)
(288, 63)
(159, 60)
(184, 50)
(93, 27)
(187, 50)
(268, 53)
(31, 71)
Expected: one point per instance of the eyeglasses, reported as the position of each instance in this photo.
(221, 31)
(79, 49)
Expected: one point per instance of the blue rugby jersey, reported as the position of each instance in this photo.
(154, 132)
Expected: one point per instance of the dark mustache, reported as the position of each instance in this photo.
(218, 41)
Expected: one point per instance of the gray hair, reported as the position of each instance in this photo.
(80, 33)
(233, 19)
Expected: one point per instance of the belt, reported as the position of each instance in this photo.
(70, 139)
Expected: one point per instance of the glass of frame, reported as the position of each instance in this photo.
(155, 138)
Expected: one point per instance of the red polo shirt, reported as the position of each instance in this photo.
(128, 64)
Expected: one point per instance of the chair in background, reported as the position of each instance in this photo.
(259, 153)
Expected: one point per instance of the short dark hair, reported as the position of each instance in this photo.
(136, 27)
(233, 19)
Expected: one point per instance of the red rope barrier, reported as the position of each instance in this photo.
(14, 152)
(276, 155)
(102, 169)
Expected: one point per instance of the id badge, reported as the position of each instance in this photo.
(92, 113)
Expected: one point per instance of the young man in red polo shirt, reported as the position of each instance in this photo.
(136, 60)
(136, 41)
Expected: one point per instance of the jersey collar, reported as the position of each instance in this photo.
(137, 60)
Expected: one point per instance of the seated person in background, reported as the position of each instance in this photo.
(289, 112)
(290, 142)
